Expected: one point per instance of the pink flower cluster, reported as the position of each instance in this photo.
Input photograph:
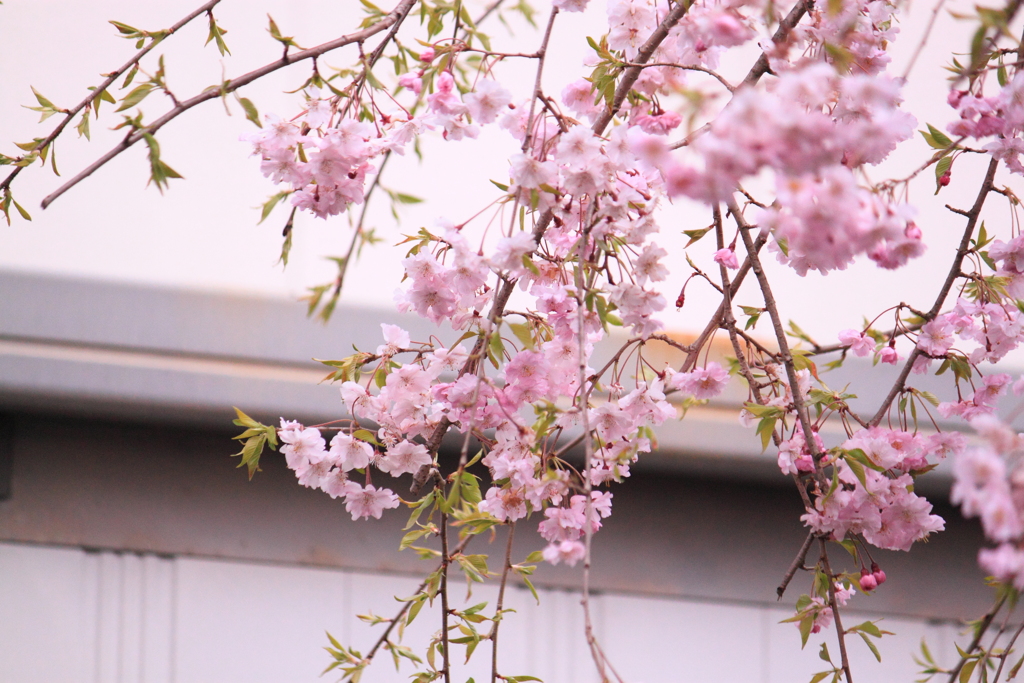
(318, 467)
(996, 327)
(324, 155)
(1000, 117)
(874, 497)
(813, 128)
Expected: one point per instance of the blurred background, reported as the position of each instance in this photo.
(131, 549)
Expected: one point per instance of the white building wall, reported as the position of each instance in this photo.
(107, 617)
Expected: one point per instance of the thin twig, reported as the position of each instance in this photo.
(498, 616)
(954, 272)
(1006, 652)
(229, 86)
(405, 607)
(924, 38)
(840, 633)
(981, 628)
(729, 321)
(537, 94)
(688, 67)
(780, 336)
(445, 559)
(102, 87)
(798, 562)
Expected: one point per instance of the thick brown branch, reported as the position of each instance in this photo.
(213, 92)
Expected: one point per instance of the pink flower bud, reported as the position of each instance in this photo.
(867, 581)
(944, 179)
(427, 55)
(877, 573)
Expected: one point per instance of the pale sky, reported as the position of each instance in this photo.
(202, 233)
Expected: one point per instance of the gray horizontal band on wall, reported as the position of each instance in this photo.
(143, 352)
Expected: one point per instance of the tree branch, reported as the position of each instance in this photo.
(396, 15)
(840, 633)
(501, 602)
(102, 87)
(954, 272)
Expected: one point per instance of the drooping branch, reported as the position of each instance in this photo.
(395, 16)
(507, 286)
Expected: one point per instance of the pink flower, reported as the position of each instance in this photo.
(889, 355)
(507, 505)
(368, 502)
(411, 81)
(349, 453)
(860, 344)
(487, 101)
(531, 173)
(569, 552)
(702, 383)
(1005, 563)
(508, 255)
(395, 337)
(404, 457)
(659, 124)
(303, 446)
(727, 257)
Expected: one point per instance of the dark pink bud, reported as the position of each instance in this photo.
(867, 580)
(877, 573)
(944, 179)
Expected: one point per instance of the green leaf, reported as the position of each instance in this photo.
(21, 210)
(695, 235)
(806, 624)
(269, 205)
(967, 671)
(83, 125)
(523, 333)
(251, 113)
(941, 139)
(43, 102)
(871, 646)
(135, 96)
(217, 35)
